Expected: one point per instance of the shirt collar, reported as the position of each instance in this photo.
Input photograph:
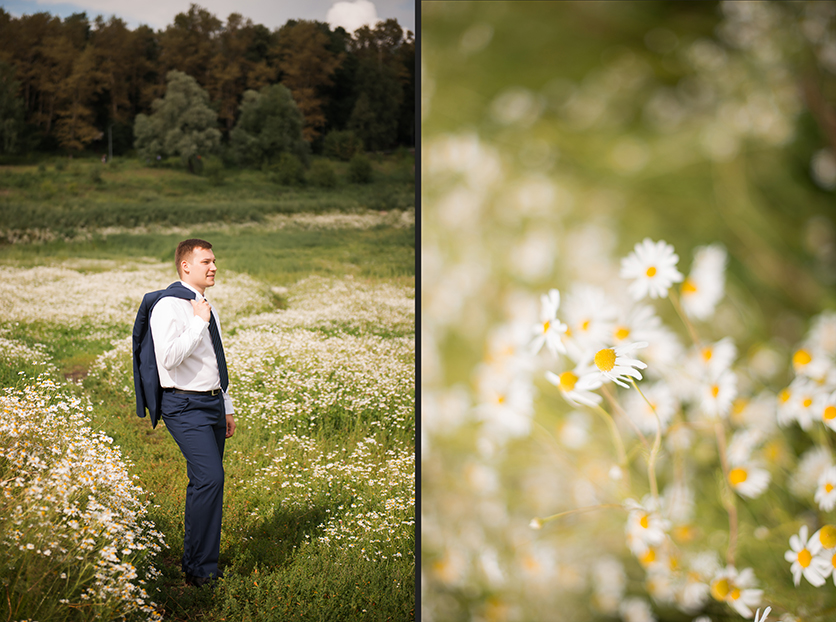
(193, 289)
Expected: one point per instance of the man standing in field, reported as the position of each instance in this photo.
(195, 404)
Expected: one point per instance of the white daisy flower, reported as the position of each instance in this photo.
(827, 537)
(589, 315)
(645, 525)
(711, 360)
(637, 323)
(748, 479)
(798, 403)
(737, 589)
(615, 364)
(826, 490)
(652, 265)
(576, 386)
(814, 363)
(825, 405)
(812, 464)
(550, 330)
(803, 557)
(762, 618)
(717, 396)
(636, 609)
(506, 403)
(705, 285)
(823, 332)
(743, 443)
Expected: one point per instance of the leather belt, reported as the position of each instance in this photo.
(212, 393)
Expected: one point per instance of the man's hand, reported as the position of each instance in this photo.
(230, 426)
(201, 309)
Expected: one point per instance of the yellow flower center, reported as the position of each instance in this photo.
(827, 535)
(715, 390)
(622, 332)
(801, 358)
(688, 287)
(829, 413)
(738, 476)
(784, 395)
(720, 589)
(605, 359)
(735, 593)
(808, 401)
(648, 558)
(828, 487)
(500, 399)
(567, 381)
(804, 558)
(585, 325)
(651, 271)
(707, 353)
(833, 561)
(644, 521)
(546, 325)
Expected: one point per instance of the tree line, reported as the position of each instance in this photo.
(72, 84)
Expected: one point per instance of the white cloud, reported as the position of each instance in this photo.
(352, 15)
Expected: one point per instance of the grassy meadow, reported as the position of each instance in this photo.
(316, 292)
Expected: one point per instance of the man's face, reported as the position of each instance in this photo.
(199, 269)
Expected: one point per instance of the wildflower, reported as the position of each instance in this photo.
(645, 526)
(804, 559)
(506, 405)
(576, 386)
(635, 609)
(717, 395)
(826, 405)
(614, 364)
(826, 490)
(550, 330)
(762, 618)
(737, 589)
(704, 287)
(589, 316)
(653, 266)
(748, 479)
(826, 536)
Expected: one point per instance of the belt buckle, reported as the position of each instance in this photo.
(214, 392)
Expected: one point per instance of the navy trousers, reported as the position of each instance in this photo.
(198, 425)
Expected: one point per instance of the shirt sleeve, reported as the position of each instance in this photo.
(175, 334)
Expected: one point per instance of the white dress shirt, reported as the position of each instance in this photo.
(183, 347)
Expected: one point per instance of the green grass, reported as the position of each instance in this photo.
(275, 566)
(129, 194)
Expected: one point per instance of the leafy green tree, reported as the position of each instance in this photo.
(307, 65)
(270, 124)
(341, 144)
(11, 110)
(182, 123)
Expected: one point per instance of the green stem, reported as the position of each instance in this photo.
(654, 452)
(681, 313)
(543, 521)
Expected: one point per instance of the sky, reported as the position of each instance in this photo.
(350, 14)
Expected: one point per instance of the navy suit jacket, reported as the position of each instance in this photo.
(149, 393)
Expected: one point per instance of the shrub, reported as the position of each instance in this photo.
(288, 171)
(360, 169)
(322, 174)
(60, 165)
(342, 145)
(213, 169)
(96, 175)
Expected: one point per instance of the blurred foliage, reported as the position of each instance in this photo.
(556, 136)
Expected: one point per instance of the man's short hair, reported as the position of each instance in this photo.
(186, 248)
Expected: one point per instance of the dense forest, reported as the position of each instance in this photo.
(75, 84)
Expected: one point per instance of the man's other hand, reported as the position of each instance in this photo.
(230, 426)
